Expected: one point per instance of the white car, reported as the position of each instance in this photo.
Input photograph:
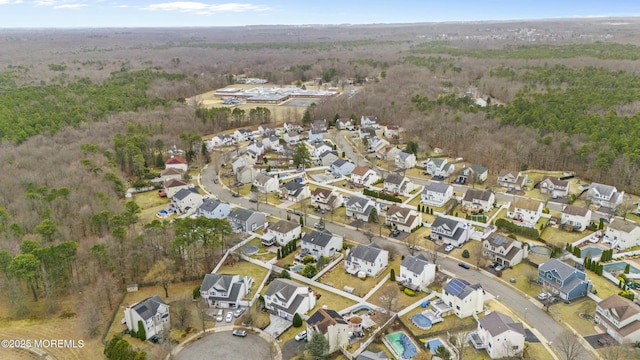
(543, 296)
(229, 317)
(448, 248)
(301, 335)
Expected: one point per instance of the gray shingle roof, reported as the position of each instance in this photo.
(623, 225)
(415, 264)
(294, 186)
(148, 307)
(393, 178)
(183, 193)
(284, 226)
(497, 323)
(477, 194)
(603, 189)
(210, 205)
(321, 239)
(283, 289)
(576, 210)
(436, 187)
(563, 269)
(367, 253)
(357, 200)
(368, 355)
(240, 214)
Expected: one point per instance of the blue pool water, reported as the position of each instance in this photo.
(619, 266)
(297, 268)
(163, 213)
(591, 252)
(421, 321)
(433, 345)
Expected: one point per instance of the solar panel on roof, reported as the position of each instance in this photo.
(456, 287)
(499, 240)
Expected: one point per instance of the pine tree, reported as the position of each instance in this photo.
(392, 275)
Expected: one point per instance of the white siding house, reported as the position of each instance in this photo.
(152, 312)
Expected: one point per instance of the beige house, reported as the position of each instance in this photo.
(504, 250)
(620, 318)
(332, 325)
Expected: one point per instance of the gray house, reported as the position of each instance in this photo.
(244, 220)
(319, 243)
(342, 167)
(214, 209)
(563, 279)
(368, 259)
(225, 291)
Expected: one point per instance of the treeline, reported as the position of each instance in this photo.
(224, 117)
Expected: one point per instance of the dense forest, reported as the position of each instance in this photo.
(84, 115)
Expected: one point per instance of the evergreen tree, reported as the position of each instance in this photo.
(142, 333)
(297, 320)
(392, 275)
(318, 346)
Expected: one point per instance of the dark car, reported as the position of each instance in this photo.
(240, 333)
(395, 233)
(154, 339)
(464, 265)
(253, 200)
(235, 195)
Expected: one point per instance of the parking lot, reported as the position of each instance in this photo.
(224, 345)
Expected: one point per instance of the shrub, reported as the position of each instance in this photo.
(285, 274)
(409, 292)
(309, 271)
(297, 320)
(392, 275)
(307, 259)
(287, 266)
(196, 293)
(465, 254)
(142, 333)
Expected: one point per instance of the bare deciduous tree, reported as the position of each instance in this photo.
(389, 297)
(181, 315)
(569, 346)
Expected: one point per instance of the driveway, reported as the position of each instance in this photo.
(223, 345)
(292, 348)
(277, 326)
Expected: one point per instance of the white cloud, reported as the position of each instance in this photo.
(203, 8)
(70, 6)
(9, 2)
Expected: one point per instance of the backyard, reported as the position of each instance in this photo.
(402, 301)
(258, 273)
(339, 278)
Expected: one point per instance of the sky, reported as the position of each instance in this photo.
(208, 13)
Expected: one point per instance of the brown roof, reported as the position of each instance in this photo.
(175, 182)
(398, 209)
(504, 173)
(322, 319)
(319, 190)
(360, 170)
(524, 203)
(478, 194)
(622, 225)
(555, 181)
(621, 309)
(284, 226)
(575, 210)
(355, 320)
(175, 160)
(171, 171)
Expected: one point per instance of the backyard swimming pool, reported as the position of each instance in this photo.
(421, 321)
(402, 345)
(433, 344)
(590, 251)
(619, 266)
(297, 268)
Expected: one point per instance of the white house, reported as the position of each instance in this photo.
(366, 133)
(500, 335)
(620, 318)
(243, 135)
(512, 180)
(555, 187)
(360, 208)
(225, 291)
(294, 191)
(320, 125)
(405, 160)
(622, 234)
(369, 122)
(187, 199)
(172, 186)
(266, 131)
(330, 324)
(327, 158)
(465, 299)
(363, 175)
(477, 200)
(171, 174)
(220, 140)
(436, 194)
(291, 138)
(342, 167)
(525, 211)
(245, 220)
(504, 250)
(320, 243)
(265, 184)
(257, 147)
(243, 160)
(246, 174)
(416, 272)
(576, 217)
(214, 209)
(450, 231)
(176, 162)
(388, 153)
(152, 312)
(272, 143)
(368, 259)
(398, 184)
(403, 218)
(284, 231)
(605, 195)
(391, 131)
(292, 127)
(285, 298)
(439, 167)
(345, 124)
(319, 148)
(376, 143)
(326, 199)
(475, 174)
(316, 135)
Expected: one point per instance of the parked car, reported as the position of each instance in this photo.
(229, 317)
(464, 266)
(220, 315)
(240, 333)
(154, 339)
(499, 267)
(448, 248)
(395, 233)
(301, 335)
(235, 195)
(543, 296)
(253, 200)
(238, 312)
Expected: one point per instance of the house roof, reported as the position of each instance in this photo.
(576, 210)
(171, 171)
(183, 193)
(367, 253)
(294, 186)
(619, 307)
(148, 307)
(497, 323)
(262, 179)
(622, 225)
(397, 209)
(415, 264)
(322, 144)
(478, 169)
(498, 240)
(221, 282)
(563, 269)
(284, 226)
(360, 170)
(321, 191)
(437, 162)
(461, 288)
(504, 173)
(525, 203)
(211, 205)
(283, 289)
(320, 238)
(404, 156)
(368, 355)
(395, 179)
(317, 131)
(477, 194)
(240, 214)
(436, 187)
(556, 181)
(175, 182)
(175, 160)
(603, 189)
(322, 319)
(341, 162)
(328, 152)
(453, 225)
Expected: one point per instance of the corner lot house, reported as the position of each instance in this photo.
(575, 217)
(214, 209)
(476, 200)
(320, 243)
(360, 208)
(245, 220)
(332, 325)
(439, 167)
(436, 194)
(363, 175)
(285, 231)
(416, 272)
(500, 335)
(326, 199)
(620, 318)
(555, 187)
(605, 195)
(450, 231)
(265, 183)
(504, 250)
(622, 234)
(152, 311)
(525, 212)
(512, 180)
(563, 280)
(285, 298)
(316, 135)
(398, 185)
(294, 191)
(225, 291)
(465, 299)
(369, 259)
(403, 219)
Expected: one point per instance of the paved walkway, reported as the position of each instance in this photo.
(277, 326)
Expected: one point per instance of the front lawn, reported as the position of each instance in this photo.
(569, 313)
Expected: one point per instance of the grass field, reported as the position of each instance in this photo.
(402, 301)
(339, 278)
(569, 314)
(553, 235)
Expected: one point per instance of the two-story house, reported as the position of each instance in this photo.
(342, 167)
(243, 135)
(439, 167)
(225, 291)
(525, 212)
(242, 160)
(176, 162)
(369, 122)
(605, 195)
(465, 299)
(320, 147)
(316, 135)
(152, 312)
(620, 318)
(403, 218)
(388, 153)
(416, 272)
(504, 250)
(554, 187)
(436, 194)
(292, 127)
(272, 143)
(295, 191)
(246, 174)
(500, 335)
(285, 298)
(398, 184)
(367, 133)
(257, 147)
(376, 143)
(405, 160)
(391, 131)
(171, 174)
(477, 200)
(576, 218)
(284, 231)
(345, 124)
(265, 184)
(330, 324)
(622, 234)
(475, 174)
(562, 279)
(360, 208)
(186, 200)
(291, 138)
(245, 220)
(326, 199)
(266, 131)
(450, 231)
(327, 158)
(369, 260)
(363, 175)
(512, 180)
(172, 186)
(214, 209)
(320, 125)
(320, 243)
(221, 140)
